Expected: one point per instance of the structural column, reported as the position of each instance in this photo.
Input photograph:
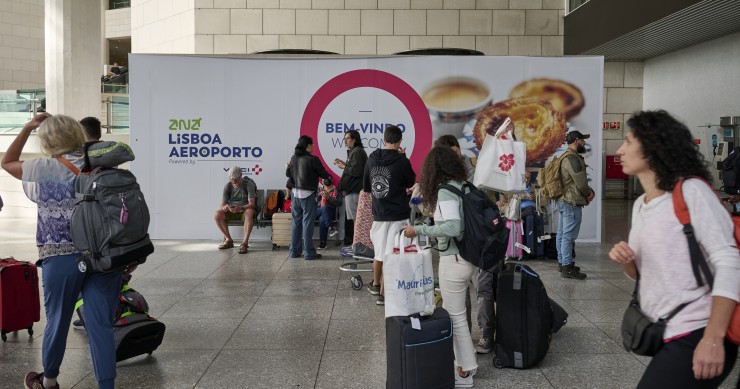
(73, 54)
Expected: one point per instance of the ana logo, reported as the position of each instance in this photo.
(180, 124)
(257, 170)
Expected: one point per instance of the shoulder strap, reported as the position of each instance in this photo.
(698, 262)
(69, 165)
(453, 189)
(670, 315)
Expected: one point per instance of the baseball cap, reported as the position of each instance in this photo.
(575, 135)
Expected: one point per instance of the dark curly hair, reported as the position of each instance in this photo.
(441, 165)
(669, 148)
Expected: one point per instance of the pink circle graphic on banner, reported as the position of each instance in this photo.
(373, 79)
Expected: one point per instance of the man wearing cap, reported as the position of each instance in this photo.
(576, 195)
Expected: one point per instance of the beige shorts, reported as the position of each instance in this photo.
(383, 235)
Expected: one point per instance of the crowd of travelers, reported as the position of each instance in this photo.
(657, 149)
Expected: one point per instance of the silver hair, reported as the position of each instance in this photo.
(235, 173)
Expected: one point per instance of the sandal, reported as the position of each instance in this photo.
(243, 248)
(227, 244)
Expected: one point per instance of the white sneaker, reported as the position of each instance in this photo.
(461, 382)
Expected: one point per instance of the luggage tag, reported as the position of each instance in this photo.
(523, 247)
(544, 238)
(416, 323)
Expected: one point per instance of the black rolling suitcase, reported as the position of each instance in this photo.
(524, 318)
(420, 358)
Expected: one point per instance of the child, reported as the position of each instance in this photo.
(328, 202)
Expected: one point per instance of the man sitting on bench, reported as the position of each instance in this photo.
(238, 201)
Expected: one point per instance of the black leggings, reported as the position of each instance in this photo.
(672, 366)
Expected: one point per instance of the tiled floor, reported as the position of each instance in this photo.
(263, 320)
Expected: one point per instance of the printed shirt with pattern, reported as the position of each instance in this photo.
(50, 184)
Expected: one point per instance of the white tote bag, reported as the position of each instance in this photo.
(408, 279)
(501, 162)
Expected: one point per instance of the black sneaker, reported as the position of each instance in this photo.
(78, 325)
(570, 271)
(373, 289)
(318, 256)
(322, 245)
(381, 300)
(560, 267)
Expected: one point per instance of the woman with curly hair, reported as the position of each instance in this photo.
(443, 166)
(659, 150)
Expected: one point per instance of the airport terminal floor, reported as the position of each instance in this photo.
(263, 320)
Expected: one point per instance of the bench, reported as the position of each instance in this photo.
(260, 221)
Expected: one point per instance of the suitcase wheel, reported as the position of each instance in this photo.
(30, 330)
(497, 363)
(356, 282)
(4, 336)
(275, 247)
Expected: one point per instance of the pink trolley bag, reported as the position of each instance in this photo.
(514, 248)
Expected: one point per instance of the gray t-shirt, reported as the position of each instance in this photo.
(240, 195)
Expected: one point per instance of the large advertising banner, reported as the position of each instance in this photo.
(192, 118)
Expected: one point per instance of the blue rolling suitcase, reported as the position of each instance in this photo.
(420, 358)
(534, 229)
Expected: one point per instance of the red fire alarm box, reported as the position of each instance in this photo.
(614, 168)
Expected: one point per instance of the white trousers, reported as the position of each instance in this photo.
(454, 276)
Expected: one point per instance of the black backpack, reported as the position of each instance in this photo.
(731, 172)
(485, 238)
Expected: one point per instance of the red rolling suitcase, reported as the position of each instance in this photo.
(20, 305)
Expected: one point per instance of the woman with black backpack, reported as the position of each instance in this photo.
(441, 167)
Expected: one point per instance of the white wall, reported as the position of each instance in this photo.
(162, 26)
(118, 23)
(21, 44)
(697, 85)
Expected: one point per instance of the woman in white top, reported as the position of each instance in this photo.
(659, 150)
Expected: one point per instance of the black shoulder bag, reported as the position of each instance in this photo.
(639, 334)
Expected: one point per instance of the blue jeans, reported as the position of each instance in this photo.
(326, 216)
(569, 224)
(63, 283)
(304, 214)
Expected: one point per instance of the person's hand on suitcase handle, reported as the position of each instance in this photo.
(409, 232)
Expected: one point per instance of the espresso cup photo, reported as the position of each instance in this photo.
(453, 101)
